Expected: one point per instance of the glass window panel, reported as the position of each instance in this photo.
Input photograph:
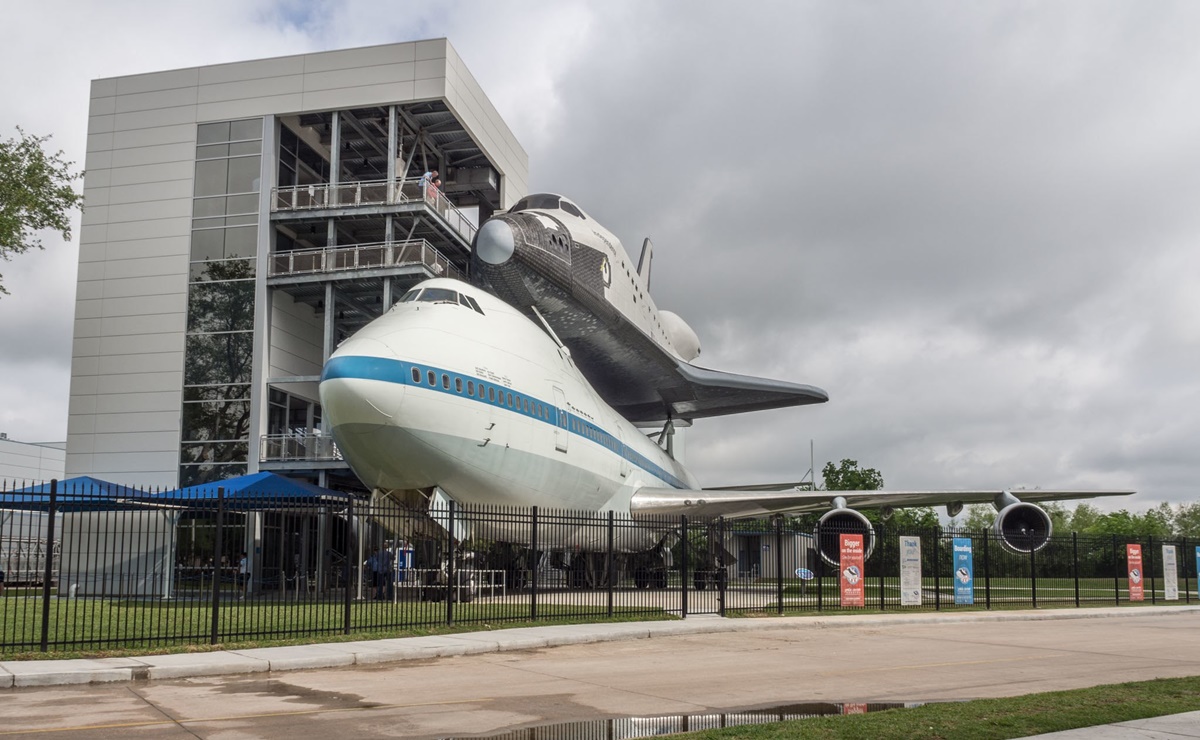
(221, 306)
(215, 392)
(242, 220)
(241, 242)
(216, 420)
(211, 177)
(241, 204)
(245, 147)
(203, 207)
(213, 359)
(243, 174)
(250, 128)
(208, 244)
(210, 133)
(207, 223)
(193, 475)
(221, 270)
(212, 151)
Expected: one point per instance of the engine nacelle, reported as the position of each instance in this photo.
(682, 337)
(838, 521)
(1022, 527)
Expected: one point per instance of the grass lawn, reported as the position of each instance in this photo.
(990, 719)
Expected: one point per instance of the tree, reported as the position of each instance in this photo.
(847, 476)
(35, 194)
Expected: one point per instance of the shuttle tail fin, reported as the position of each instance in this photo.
(645, 260)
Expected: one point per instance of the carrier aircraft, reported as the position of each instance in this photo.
(456, 395)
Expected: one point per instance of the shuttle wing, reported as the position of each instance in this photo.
(749, 503)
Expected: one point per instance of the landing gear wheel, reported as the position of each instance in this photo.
(660, 578)
(641, 578)
(702, 579)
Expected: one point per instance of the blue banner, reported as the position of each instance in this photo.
(1198, 570)
(964, 571)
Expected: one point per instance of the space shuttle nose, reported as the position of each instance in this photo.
(494, 244)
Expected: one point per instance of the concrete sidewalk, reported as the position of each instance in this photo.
(1171, 727)
(338, 654)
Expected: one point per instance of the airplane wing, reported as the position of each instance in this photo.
(750, 503)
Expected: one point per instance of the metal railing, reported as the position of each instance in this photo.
(149, 569)
(361, 257)
(298, 448)
(371, 193)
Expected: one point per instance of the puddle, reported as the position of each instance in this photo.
(620, 728)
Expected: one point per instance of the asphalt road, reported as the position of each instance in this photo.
(869, 662)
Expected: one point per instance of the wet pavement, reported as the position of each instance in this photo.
(722, 667)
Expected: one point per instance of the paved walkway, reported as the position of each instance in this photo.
(885, 660)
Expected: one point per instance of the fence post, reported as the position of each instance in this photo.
(351, 547)
(1150, 568)
(533, 571)
(1033, 574)
(721, 566)
(1183, 553)
(1075, 564)
(820, 568)
(937, 571)
(218, 544)
(683, 567)
(48, 569)
(451, 586)
(1116, 572)
(779, 562)
(883, 530)
(612, 565)
(987, 569)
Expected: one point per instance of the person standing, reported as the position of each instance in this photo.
(243, 575)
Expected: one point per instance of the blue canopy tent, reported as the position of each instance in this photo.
(78, 494)
(256, 492)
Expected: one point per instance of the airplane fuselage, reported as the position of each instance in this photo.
(486, 406)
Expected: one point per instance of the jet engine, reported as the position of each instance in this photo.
(840, 520)
(1022, 527)
(682, 337)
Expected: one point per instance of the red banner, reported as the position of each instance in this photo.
(1133, 554)
(851, 564)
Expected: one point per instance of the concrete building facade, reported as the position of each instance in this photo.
(22, 462)
(241, 219)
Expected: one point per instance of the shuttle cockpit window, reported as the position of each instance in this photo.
(540, 201)
(570, 208)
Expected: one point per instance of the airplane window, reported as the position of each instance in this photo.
(474, 304)
(491, 394)
(432, 378)
(417, 375)
(482, 392)
(509, 400)
(458, 385)
(411, 295)
(470, 387)
(446, 381)
(526, 405)
(438, 295)
(570, 208)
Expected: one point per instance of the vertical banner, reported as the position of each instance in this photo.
(910, 571)
(851, 564)
(1133, 556)
(1198, 571)
(964, 571)
(1170, 574)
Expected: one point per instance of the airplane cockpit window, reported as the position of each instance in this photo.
(469, 302)
(570, 208)
(411, 295)
(438, 295)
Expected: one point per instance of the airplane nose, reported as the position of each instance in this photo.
(494, 244)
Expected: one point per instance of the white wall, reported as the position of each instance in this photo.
(23, 462)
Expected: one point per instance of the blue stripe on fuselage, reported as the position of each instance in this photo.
(395, 371)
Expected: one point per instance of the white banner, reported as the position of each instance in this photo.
(1170, 574)
(910, 571)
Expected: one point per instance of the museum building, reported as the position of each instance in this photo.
(241, 220)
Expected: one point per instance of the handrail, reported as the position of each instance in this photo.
(371, 192)
(301, 447)
(362, 256)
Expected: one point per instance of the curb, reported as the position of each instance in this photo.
(27, 673)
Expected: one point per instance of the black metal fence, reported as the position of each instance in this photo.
(96, 568)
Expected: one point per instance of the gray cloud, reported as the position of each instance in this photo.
(972, 224)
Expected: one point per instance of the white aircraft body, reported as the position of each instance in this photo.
(455, 394)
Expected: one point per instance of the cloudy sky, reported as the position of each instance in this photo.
(974, 224)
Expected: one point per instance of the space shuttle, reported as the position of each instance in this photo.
(559, 266)
(532, 387)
